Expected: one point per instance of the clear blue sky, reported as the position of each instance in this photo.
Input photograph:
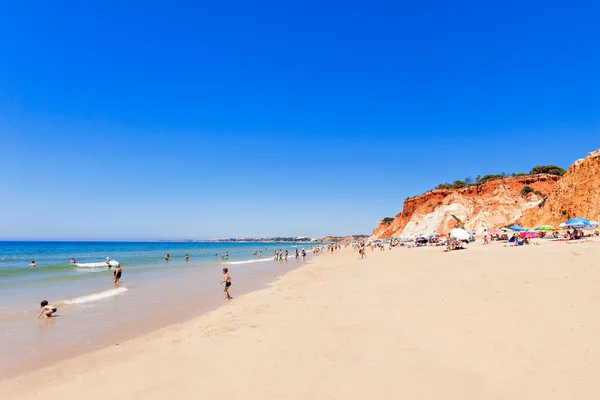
(186, 119)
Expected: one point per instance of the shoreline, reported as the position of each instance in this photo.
(487, 322)
(91, 326)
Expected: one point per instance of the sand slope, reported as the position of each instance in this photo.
(485, 323)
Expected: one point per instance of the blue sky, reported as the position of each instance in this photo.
(155, 119)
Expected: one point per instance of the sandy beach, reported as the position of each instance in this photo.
(489, 322)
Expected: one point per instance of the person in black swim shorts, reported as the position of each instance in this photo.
(47, 309)
(227, 283)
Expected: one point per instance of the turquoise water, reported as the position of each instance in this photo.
(56, 276)
(92, 312)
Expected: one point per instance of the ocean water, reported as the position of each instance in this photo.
(93, 313)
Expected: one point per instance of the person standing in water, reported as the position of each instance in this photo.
(73, 261)
(117, 274)
(286, 255)
(227, 283)
(32, 264)
(167, 256)
(47, 309)
(187, 258)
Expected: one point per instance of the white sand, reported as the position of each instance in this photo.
(484, 323)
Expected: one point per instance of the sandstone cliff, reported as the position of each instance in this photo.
(492, 204)
(577, 194)
(499, 203)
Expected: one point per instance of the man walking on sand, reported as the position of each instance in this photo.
(227, 283)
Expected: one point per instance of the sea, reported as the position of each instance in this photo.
(94, 313)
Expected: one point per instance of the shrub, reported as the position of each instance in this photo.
(387, 220)
(547, 169)
(526, 190)
(490, 177)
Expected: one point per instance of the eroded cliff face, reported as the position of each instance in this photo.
(577, 194)
(490, 205)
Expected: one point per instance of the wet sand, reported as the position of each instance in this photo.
(149, 303)
(488, 322)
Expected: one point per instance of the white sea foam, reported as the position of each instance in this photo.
(248, 261)
(96, 296)
(102, 264)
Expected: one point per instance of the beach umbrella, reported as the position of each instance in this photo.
(459, 234)
(545, 228)
(431, 235)
(529, 235)
(497, 231)
(517, 228)
(378, 240)
(578, 221)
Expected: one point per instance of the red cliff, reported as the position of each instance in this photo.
(491, 204)
(577, 194)
(501, 202)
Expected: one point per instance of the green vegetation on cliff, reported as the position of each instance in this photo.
(540, 169)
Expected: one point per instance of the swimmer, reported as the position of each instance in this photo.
(32, 264)
(167, 256)
(227, 283)
(107, 262)
(73, 261)
(46, 309)
(260, 254)
(187, 258)
(117, 274)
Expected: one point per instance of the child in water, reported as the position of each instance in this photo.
(227, 283)
(46, 309)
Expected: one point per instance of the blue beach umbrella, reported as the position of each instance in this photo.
(518, 228)
(577, 222)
